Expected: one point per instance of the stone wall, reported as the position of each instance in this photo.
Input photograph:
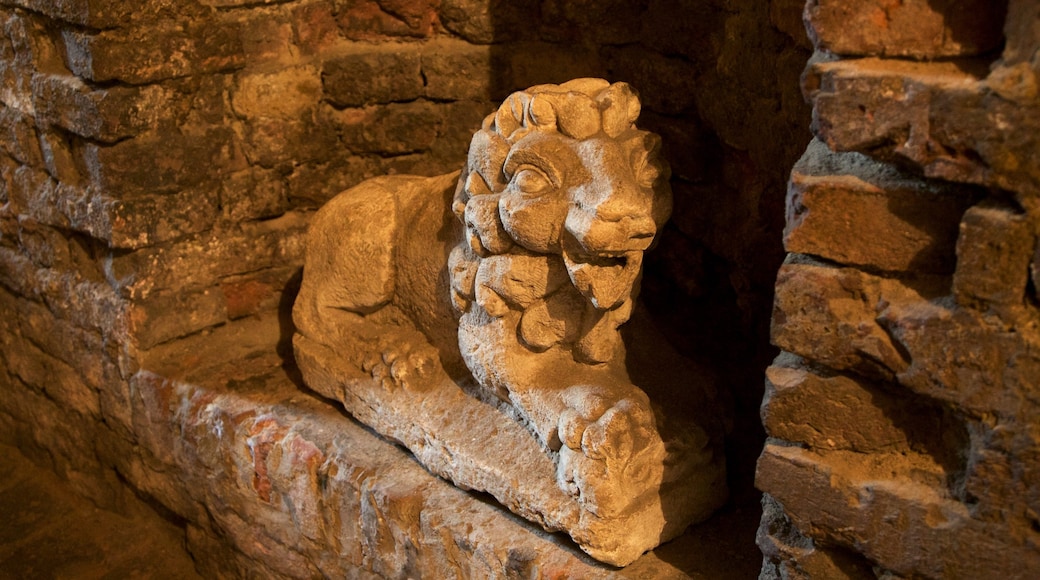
(903, 413)
(159, 162)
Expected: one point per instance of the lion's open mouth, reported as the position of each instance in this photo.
(605, 278)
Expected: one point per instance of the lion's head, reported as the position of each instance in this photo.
(562, 169)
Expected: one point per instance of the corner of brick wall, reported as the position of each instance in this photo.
(903, 413)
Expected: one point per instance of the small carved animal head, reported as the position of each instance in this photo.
(563, 169)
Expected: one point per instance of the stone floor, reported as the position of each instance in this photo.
(48, 531)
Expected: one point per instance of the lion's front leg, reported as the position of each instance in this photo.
(611, 451)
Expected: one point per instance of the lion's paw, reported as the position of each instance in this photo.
(612, 452)
(401, 366)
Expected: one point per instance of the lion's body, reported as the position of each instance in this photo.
(519, 270)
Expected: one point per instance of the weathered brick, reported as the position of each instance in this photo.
(790, 555)
(311, 185)
(164, 316)
(920, 29)
(150, 54)
(829, 315)
(393, 129)
(1022, 37)
(254, 194)
(266, 36)
(382, 19)
(105, 115)
(315, 26)
(994, 250)
(786, 16)
(278, 112)
(256, 292)
(372, 74)
(948, 118)
(197, 262)
(107, 13)
(533, 63)
(891, 508)
(155, 219)
(967, 359)
(48, 374)
(850, 209)
(33, 43)
(19, 137)
(456, 70)
(473, 20)
(843, 412)
(162, 161)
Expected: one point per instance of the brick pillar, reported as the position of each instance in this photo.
(903, 415)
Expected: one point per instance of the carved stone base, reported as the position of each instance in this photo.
(478, 445)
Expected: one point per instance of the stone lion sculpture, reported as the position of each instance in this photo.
(485, 306)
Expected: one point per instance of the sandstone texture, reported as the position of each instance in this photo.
(902, 413)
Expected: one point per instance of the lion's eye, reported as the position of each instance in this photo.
(531, 180)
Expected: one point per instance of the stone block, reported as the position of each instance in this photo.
(20, 138)
(154, 53)
(849, 209)
(893, 509)
(455, 70)
(374, 74)
(164, 316)
(968, 359)
(994, 251)
(829, 315)
(948, 118)
(198, 262)
(841, 412)
(102, 14)
(175, 155)
(155, 219)
(790, 555)
(920, 29)
(257, 292)
(105, 115)
(286, 93)
(383, 19)
(254, 194)
(394, 129)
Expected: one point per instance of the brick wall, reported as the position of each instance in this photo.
(159, 162)
(903, 413)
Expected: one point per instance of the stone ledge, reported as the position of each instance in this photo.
(298, 489)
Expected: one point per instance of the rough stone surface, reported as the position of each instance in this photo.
(560, 197)
(886, 220)
(920, 29)
(949, 118)
(902, 419)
